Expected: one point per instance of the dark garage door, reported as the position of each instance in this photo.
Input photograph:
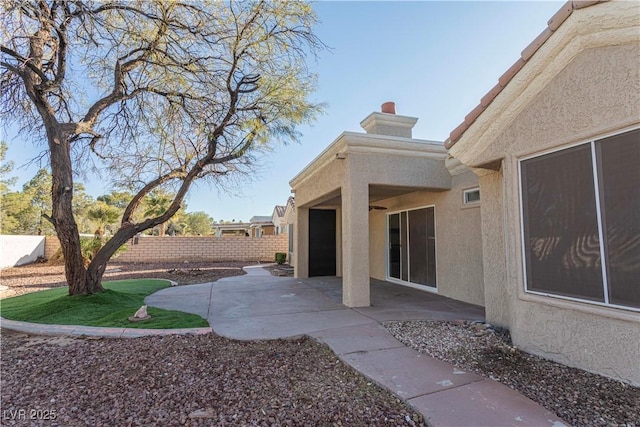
(322, 242)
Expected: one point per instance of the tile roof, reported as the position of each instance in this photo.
(280, 210)
(552, 25)
(260, 219)
(292, 200)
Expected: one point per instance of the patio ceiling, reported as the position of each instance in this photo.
(377, 193)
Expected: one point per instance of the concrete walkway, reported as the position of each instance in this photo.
(261, 306)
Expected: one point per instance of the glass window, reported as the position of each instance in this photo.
(573, 212)
(471, 196)
(618, 161)
(412, 246)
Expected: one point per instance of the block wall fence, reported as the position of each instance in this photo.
(164, 249)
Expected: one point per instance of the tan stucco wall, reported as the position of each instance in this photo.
(596, 94)
(341, 178)
(324, 181)
(458, 239)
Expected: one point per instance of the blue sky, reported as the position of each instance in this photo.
(435, 60)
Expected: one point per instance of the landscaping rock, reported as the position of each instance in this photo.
(203, 380)
(579, 397)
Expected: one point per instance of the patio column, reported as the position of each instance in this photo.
(355, 244)
(338, 242)
(301, 243)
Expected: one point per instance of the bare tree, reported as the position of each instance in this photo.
(158, 93)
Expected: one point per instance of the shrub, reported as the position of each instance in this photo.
(281, 257)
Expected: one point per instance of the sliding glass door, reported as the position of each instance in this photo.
(412, 246)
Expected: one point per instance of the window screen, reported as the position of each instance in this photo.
(566, 207)
(562, 248)
(619, 172)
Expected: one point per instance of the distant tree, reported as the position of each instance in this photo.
(39, 190)
(104, 215)
(23, 211)
(117, 199)
(156, 204)
(19, 216)
(82, 201)
(199, 223)
(6, 168)
(161, 92)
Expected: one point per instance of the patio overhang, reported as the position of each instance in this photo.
(353, 176)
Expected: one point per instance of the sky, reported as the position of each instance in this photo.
(435, 60)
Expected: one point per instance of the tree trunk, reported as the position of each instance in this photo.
(98, 264)
(62, 215)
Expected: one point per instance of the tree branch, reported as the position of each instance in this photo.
(25, 62)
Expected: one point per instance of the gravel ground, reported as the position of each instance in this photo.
(187, 381)
(283, 270)
(579, 397)
(179, 380)
(40, 276)
(209, 380)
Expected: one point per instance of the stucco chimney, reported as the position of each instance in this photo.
(388, 122)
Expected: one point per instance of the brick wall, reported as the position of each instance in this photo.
(157, 249)
(51, 245)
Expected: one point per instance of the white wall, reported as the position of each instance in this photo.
(18, 250)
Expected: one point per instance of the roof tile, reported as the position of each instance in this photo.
(511, 72)
(561, 15)
(536, 43)
(473, 115)
(457, 132)
(486, 100)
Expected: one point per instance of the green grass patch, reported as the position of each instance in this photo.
(110, 308)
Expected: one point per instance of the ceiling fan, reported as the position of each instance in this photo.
(378, 208)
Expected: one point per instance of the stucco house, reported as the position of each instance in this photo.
(556, 146)
(261, 225)
(235, 229)
(382, 204)
(289, 219)
(531, 208)
(278, 220)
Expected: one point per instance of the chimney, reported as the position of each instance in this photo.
(389, 107)
(388, 122)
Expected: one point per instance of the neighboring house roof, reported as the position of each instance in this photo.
(232, 227)
(260, 219)
(291, 201)
(552, 25)
(279, 210)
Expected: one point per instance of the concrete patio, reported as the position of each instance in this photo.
(261, 306)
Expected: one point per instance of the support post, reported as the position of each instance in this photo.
(301, 243)
(355, 244)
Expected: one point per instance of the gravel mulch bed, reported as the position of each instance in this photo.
(202, 380)
(40, 276)
(282, 270)
(579, 397)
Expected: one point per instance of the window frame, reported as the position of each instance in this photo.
(596, 186)
(408, 283)
(471, 203)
